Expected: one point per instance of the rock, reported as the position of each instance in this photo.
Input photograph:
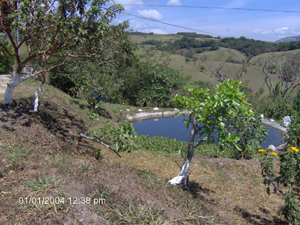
(272, 120)
(286, 121)
(155, 109)
(280, 147)
(128, 110)
(140, 110)
(262, 116)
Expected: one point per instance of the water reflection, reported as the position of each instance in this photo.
(174, 127)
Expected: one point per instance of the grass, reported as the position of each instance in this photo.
(215, 59)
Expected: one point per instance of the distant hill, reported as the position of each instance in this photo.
(289, 39)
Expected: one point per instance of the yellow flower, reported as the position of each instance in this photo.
(289, 150)
(252, 108)
(273, 153)
(261, 150)
(295, 149)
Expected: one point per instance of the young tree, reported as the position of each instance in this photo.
(209, 110)
(51, 29)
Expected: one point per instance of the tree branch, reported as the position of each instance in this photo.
(94, 139)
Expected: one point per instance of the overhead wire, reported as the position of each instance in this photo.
(215, 7)
(203, 7)
(170, 24)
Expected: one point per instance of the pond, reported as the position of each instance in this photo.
(174, 127)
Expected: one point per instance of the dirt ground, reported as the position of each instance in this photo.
(42, 157)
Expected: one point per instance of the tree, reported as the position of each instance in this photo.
(7, 58)
(208, 112)
(288, 71)
(146, 84)
(217, 71)
(57, 29)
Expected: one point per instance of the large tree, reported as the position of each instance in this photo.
(46, 30)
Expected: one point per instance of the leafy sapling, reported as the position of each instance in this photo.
(209, 110)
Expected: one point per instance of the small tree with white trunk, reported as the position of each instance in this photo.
(47, 30)
(209, 113)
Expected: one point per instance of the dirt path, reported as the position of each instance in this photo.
(4, 79)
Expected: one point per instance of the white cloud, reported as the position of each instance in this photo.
(136, 25)
(263, 32)
(282, 30)
(156, 31)
(285, 31)
(127, 2)
(151, 14)
(174, 2)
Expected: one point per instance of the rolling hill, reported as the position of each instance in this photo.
(289, 39)
(189, 66)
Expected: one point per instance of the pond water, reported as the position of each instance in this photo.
(174, 127)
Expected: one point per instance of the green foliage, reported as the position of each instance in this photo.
(272, 107)
(291, 209)
(150, 85)
(63, 82)
(267, 168)
(289, 166)
(242, 44)
(118, 136)
(60, 33)
(212, 110)
(161, 144)
(4, 68)
(250, 132)
(202, 68)
(43, 183)
(172, 146)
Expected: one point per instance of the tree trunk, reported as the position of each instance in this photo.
(36, 98)
(183, 175)
(15, 81)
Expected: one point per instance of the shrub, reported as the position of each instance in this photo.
(63, 82)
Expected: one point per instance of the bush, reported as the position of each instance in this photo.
(63, 82)
(273, 107)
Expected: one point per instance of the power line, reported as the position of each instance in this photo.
(216, 7)
(170, 24)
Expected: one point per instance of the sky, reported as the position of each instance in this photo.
(259, 25)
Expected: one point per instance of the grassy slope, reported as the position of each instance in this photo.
(215, 58)
(41, 155)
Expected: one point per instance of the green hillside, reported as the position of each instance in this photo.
(187, 61)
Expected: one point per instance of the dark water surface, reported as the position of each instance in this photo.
(174, 127)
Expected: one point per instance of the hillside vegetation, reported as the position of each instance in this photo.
(191, 54)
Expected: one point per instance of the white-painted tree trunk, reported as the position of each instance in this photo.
(15, 81)
(36, 98)
(183, 175)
